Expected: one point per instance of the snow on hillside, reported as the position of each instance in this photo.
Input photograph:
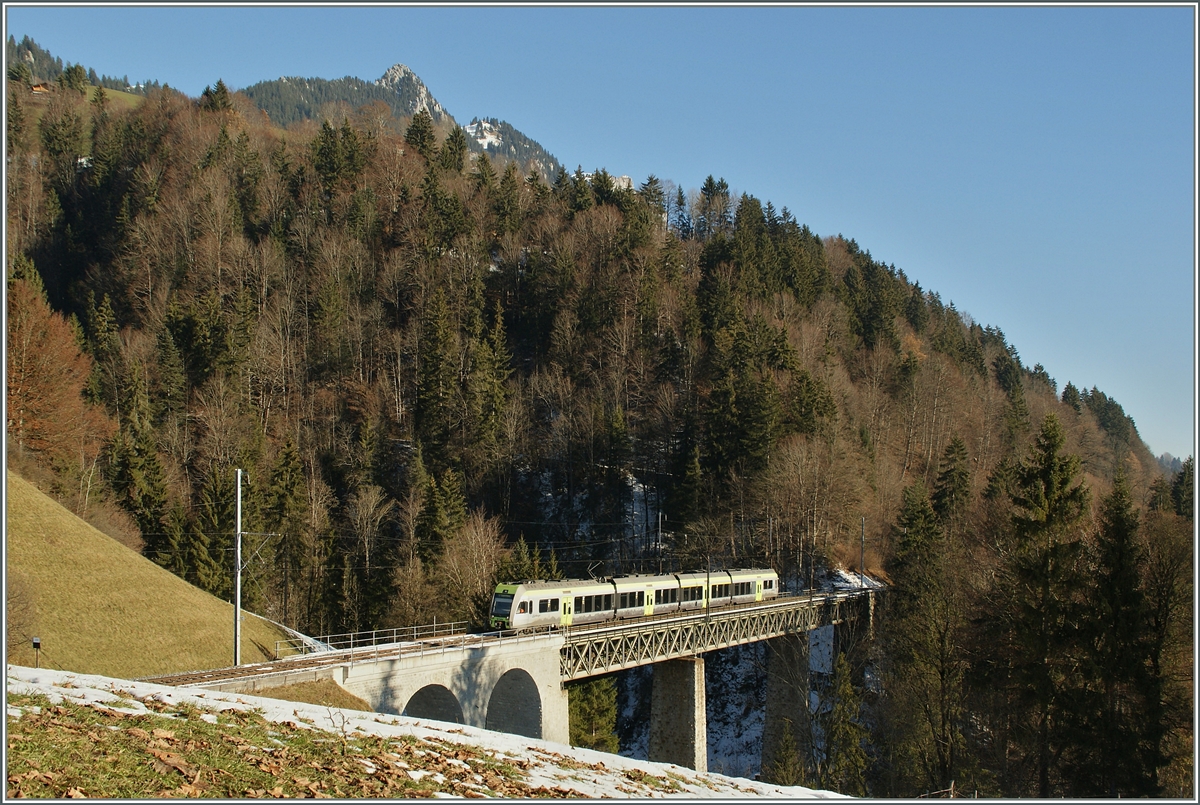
(483, 133)
(550, 764)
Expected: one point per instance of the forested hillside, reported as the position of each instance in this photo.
(28, 62)
(439, 371)
(288, 101)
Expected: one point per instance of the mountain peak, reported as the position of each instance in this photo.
(413, 93)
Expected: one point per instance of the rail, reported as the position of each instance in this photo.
(353, 640)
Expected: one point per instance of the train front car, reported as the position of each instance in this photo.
(502, 604)
(530, 605)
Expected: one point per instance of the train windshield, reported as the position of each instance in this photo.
(501, 605)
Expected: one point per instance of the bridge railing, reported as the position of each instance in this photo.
(355, 640)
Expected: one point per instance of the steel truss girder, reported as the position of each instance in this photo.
(590, 652)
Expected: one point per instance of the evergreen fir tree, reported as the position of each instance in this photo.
(592, 707)
(1183, 489)
(1111, 731)
(845, 763)
(507, 204)
(216, 98)
(420, 135)
(437, 383)
(454, 151)
(1032, 621)
(787, 766)
(953, 487)
(285, 515)
(138, 477)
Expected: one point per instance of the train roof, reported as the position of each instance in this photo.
(550, 584)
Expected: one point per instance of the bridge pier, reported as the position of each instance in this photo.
(678, 725)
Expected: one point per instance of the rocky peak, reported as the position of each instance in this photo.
(414, 95)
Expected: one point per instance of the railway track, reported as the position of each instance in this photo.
(457, 642)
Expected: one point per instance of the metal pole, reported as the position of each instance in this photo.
(237, 576)
(862, 552)
(660, 556)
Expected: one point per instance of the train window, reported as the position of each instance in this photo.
(554, 605)
(623, 601)
(608, 601)
(641, 598)
(769, 584)
(501, 604)
(579, 603)
(658, 594)
(674, 597)
(544, 605)
(523, 608)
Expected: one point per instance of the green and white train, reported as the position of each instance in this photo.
(540, 604)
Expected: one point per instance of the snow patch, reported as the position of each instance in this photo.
(547, 762)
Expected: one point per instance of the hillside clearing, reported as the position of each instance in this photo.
(100, 608)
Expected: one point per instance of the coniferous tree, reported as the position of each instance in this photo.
(953, 487)
(507, 203)
(454, 151)
(1183, 489)
(420, 135)
(915, 309)
(444, 513)
(1112, 721)
(787, 766)
(74, 78)
(593, 713)
(216, 98)
(1070, 397)
(651, 193)
(138, 477)
(681, 221)
(15, 138)
(1031, 620)
(923, 639)
(437, 383)
(285, 515)
(845, 761)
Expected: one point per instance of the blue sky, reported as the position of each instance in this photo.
(1036, 166)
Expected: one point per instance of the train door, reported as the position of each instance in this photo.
(565, 610)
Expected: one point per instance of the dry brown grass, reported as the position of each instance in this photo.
(325, 692)
(101, 608)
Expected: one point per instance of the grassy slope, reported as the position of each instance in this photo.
(100, 608)
(118, 102)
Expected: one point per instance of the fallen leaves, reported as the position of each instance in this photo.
(161, 755)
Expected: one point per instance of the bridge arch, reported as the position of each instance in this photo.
(436, 702)
(515, 706)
